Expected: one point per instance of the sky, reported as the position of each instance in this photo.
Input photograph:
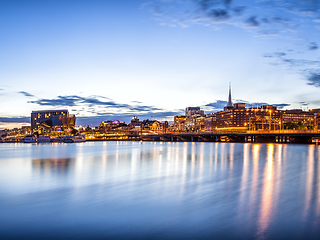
(115, 59)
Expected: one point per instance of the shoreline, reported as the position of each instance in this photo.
(252, 137)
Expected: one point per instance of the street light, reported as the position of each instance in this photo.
(270, 120)
(279, 126)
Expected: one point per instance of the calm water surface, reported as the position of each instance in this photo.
(149, 190)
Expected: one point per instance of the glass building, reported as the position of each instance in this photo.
(48, 119)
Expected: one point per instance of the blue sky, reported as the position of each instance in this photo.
(105, 60)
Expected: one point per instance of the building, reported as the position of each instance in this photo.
(239, 106)
(316, 113)
(135, 122)
(49, 119)
(147, 124)
(179, 123)
(240, 118)
(191, 111)
(111, 125)
(298, 119)
(195, 123)
(156, 126)
(210, 122)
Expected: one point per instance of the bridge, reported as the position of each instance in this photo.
(249, 136)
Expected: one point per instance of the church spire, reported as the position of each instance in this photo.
(229, 99)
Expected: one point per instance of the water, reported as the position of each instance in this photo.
(149, 190)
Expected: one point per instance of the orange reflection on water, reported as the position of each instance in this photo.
(50, 165)
(280, 152)
(309, 180)
(256, 151)
(267, 192)
(201, 161)
(278, 163)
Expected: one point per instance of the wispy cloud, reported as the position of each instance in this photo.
(264, 17)
(218, 105)
(309, 69)
(281, 105)
(59, 101)
(102, 106)
(252, 21)
(126, 117)
(96, 120)
(314, 79)
(303, 103)
(26, 94)
(313, 46)
(15, 119)
(91, 101)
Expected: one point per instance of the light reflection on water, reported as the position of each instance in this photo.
(159, 190)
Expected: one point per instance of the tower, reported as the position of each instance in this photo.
(229, 104)
(229, 99)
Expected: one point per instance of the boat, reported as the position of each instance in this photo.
(57, 140)
(29, 139)
(74, 139)
(43, 139)
(79, 138)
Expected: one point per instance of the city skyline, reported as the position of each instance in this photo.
(113, 60)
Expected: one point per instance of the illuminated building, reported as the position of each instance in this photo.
(316, 113)
(267, 117)
(236, 117)
(239, 106)
(179, 123)
(147, 124)
(48, 119)
(191, 111)
(210, 122)
(239, 118)
(298, 119)
(111, 125)
(135, 122)
(156, 126)
(195, 123)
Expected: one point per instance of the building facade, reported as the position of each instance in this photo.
(298, 119)
(267, 117)
(190, 111)
(210, 122)
(179, 123)
(48, 119)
